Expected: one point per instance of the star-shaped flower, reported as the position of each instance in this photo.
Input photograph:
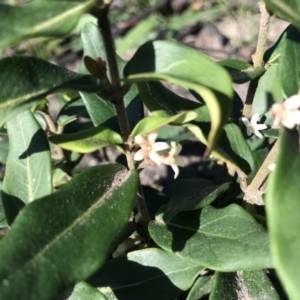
(171, 158)
(149, 148)
(287, 113)
(252, 126)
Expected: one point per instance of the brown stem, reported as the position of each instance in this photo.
(258, 60)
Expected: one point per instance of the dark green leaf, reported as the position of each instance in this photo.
(192, 194)
(161, 101)
(288, 66)
(63, 238)
(39, 18)
(227, 239)
(241, 71)
(34, 79)
(101, 111)
(200, 288)
(283, 205)
(28, 168)
(287, 9)
(180, 65)
(83, 291)
(4, 146)
(243, 285)
(88, 140)
(146, 274)
(3, 222)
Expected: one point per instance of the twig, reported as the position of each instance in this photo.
(258, 57)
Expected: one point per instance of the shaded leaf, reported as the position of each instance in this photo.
(51, 18)
(146, 274)
(88, 140)
(243, 285)
(101, 111)
(3, 222)
(192, 194)
(83, 291)
(240, 71)
(163, 102)
(153, 123)
(28, 168)
(4, 146)
(220, 239)
(282, 204)
(63, 238)
(35, 78)
(200, 288)
(180, 65)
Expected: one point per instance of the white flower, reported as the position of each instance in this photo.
(271, 167)
(149, 148)
(253, 127)
(171, 158)
(287, 113)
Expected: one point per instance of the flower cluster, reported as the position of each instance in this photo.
(287, 113)
(158, 152)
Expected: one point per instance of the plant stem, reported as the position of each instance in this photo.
(258, 60)
(118, 101)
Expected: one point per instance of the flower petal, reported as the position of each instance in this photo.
(254, 118)
(176, 171)
(152, 137)
(257, 133)
(139, 139)
(261, 126)
(139, 155)
(155, 157)
(246, 122)
(249, 131)
(292, 103)
(179, 161)
(161, 146)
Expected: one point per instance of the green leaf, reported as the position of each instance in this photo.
(71, 111)
(161, 101)
(39, 18)
(282, 203)
(26, 80)
(4, 146)
(288, 66)
(286, 9)
(243, 285)
(146, 274)
(3, 222)
(231, 148)
(240, 71)
(268, 92)
(83, 291)
(101, 111)
(192, 194)
(180, 65)
(28, 168)
(200, 288)
(88, 140)
(220, 239)
(65, 237)
(153, 123)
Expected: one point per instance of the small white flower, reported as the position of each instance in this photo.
(252, 126)
(149, 148)
(271, 167)
(287, 113)
(171, 158)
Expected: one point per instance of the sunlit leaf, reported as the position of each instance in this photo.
(180, 65)
(39, 18)
(220, 239)
(34, 79)
(65, 237)
(83, 290)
